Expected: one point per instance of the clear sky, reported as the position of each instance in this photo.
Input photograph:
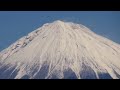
(15, 24)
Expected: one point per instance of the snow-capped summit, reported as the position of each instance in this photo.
(58, 21)
(61, 50)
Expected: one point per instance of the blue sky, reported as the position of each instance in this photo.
(15, 24)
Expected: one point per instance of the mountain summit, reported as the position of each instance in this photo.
(61, 50)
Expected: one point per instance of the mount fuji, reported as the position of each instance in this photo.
(61, 50)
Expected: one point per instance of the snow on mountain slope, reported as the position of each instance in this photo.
(61, 50)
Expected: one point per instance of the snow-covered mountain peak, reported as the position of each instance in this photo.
(61, 50)
(59, 21)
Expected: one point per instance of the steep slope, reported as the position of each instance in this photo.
(61, 50)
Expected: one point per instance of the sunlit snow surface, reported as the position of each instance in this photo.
(61, 50)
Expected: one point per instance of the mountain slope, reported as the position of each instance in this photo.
(61, 50)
